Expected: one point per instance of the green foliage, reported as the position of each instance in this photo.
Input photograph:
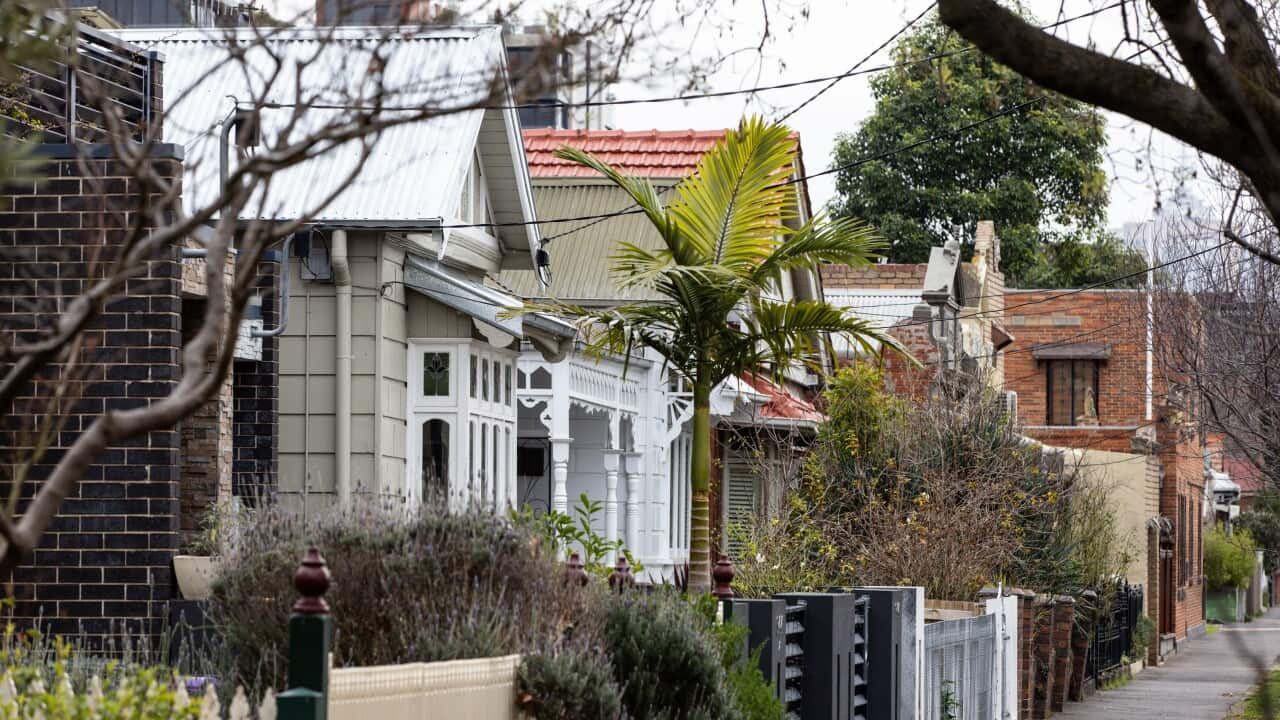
(576, 533)
(728, 237)
(146, 694)
(752, 693)
(1143, 636)
(1229, 559)
(1077, 261)
(567, 684)
(950, 703)
(1037, 173)
(666, 661)
(420, 589)
(1262, 520)
(944, 493)
(30, 37)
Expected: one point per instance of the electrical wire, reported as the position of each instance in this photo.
(859, 64)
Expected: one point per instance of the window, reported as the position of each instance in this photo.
(435, 374)
(435, 459)
(506, 368)
(1072, 386)
(474, 361)
(484, 378)
(1183, 532)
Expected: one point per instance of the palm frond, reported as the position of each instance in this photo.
(731, 210)
(823, 240)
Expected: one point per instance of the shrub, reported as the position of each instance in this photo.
(146, 694)
(668, 664)
(567, 684)
(420, 589)
(1229, 560)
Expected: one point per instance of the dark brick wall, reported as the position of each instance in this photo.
(255, 429)
(107, 558)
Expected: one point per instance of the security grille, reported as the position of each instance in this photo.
(859, 669)
(794, 665)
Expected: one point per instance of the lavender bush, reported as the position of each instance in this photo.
(405, 589)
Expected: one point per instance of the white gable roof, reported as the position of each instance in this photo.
(415, 172)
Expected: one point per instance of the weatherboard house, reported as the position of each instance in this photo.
(399, 359)
(618, 429)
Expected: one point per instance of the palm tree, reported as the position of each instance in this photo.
(726, 244)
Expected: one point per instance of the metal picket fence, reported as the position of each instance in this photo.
(960, 664)
(1114, 633)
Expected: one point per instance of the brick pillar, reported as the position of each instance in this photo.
(105, 565)
(1026, 652)
(1044, 656)
(1064, 612)
(1085, 620)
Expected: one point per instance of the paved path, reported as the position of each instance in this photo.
(1201, 683)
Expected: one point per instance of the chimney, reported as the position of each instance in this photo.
(986, 244)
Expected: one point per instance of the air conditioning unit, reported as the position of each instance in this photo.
(1010, 399)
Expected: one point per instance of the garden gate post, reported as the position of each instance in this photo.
(310, 639)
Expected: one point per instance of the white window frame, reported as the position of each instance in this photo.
(497, 416)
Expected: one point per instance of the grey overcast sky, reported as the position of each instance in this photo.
(837, 34)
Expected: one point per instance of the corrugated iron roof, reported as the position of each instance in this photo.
(580, 260)
(415, 172)
(646, 153)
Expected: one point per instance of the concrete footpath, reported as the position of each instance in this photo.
(1202, 682)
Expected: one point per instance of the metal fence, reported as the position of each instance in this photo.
(1113, 635)
(960, 668)
(65, 102)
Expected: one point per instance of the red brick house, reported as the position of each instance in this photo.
(1085, 379)
(1075, 370)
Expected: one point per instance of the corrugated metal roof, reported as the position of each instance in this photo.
(580, 260)
(882, 308)
(646, 153)
(415, 171)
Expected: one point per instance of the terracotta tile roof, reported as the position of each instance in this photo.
(782, 404)
(647, 153)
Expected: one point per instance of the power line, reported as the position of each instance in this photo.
(695, 96)
(859, 64)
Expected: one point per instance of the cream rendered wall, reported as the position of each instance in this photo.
(1133, 500)
(308, 381)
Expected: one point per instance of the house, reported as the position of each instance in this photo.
(1084, 377)
(617, 429)
(1072, 366)
(947, 313)
(397, 369)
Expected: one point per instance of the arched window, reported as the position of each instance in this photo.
(435, 459)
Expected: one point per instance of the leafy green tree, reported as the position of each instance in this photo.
(1262, 520)
(1038, 173)
(725, 246)
(1229, 560)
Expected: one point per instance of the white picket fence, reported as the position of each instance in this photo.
(480, 689)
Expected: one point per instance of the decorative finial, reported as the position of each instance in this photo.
(311, 581)
(723, 573)
(621, 578)
(574, 573)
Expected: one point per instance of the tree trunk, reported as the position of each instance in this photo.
(700, 473)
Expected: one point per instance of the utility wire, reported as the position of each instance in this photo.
(694, 96)
(860, 63)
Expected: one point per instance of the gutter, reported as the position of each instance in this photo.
(342, 380)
